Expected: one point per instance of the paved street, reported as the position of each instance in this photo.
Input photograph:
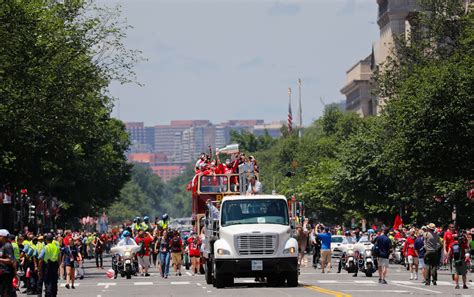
(312, 283)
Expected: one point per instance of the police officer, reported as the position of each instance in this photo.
(163, 223)
(51, 260)
(40, 268)
(136, 226)
(145, 225)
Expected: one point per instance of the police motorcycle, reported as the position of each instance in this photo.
(365, 257)
(349, 257)
(124, 260)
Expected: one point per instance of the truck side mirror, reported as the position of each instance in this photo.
(215, 225)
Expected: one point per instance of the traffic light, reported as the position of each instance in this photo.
(32, 213)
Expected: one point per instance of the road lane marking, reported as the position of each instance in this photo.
(198, 284)
(423, 289)
(365, 282)
(143, 283)
(106, 285)
(180, 283)
(378, 291)
(188, 273)
(328, 292)
(75, 285)
(327, 281)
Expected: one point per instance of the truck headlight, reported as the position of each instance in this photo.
(290, 250)
(222, 252)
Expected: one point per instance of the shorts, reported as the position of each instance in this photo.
(382, 262)
(413, 260)
(176, 258)
(460, 268)
(194, 256)
(326, 256)
(421, 263)
(144, 261)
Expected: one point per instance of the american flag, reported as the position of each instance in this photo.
(290, 115)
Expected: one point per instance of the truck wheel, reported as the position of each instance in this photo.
(219, 281)
(229, 281)
(292, 279)
(275, 280)
(208, 272)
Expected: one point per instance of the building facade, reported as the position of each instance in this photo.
(393, 20)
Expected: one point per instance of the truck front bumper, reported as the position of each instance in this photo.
(243, 267)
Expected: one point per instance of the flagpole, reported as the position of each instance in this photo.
(290, 116)
(300, 110)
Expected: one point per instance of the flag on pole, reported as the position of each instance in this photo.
(398, 222)
(290, 115)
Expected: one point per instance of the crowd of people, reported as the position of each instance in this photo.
(423, 250)
(34, 263)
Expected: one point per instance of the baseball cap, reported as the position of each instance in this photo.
(4, 233)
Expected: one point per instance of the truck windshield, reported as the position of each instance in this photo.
(254, 211)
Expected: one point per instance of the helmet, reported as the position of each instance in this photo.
(347, 232)
(138, 219)
(164, 217)
(146, 219)
(126, 233)
(135, 220)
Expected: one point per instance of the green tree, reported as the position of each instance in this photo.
(56, 62)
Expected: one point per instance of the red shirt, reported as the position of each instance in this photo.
(448, 239)
(410, 247)
(147, 240)
(194, 245)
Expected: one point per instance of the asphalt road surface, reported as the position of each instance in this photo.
(311, 283)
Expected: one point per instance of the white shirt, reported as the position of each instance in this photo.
(258, 188)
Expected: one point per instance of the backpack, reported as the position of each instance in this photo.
(457, 256)
(175, 246)
(142, 248)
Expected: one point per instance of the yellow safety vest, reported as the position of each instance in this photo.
(144, 226)
(16, 251)
(51, 253)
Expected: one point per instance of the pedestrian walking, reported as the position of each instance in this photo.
(420, 252)
(194, 244)
(383, 246)
(432, 254)
(70, 257)
(165, 254)
(409, 250)
(176, 252)
(457, 257)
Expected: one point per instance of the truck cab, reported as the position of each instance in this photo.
(250, 237)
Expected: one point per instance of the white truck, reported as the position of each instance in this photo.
(250, 236)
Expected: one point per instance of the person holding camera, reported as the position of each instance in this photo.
(457, 255)
(7, 265)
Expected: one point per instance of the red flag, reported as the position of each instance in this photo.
(398, 221)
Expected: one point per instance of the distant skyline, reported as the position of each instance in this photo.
(220, 60)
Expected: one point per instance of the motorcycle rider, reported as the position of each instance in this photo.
(126, 240)
(349, 239)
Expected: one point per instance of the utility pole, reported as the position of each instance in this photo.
(290, 114)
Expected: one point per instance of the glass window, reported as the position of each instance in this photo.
(254, 211)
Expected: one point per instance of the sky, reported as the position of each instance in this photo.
(235, 59)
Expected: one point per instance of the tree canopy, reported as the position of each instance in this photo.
(57, 135)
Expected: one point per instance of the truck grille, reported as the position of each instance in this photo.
(256, 244)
